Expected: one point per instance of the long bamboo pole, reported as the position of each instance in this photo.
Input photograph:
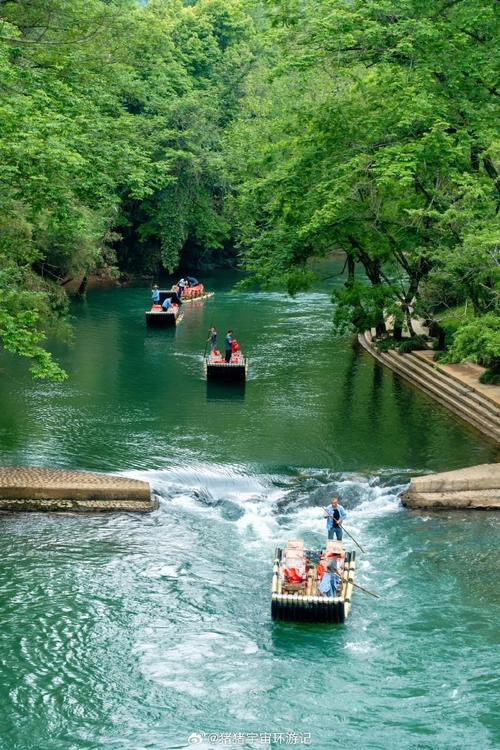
(357, 586)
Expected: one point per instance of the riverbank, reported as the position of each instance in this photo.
(473, 488)
(456, 387)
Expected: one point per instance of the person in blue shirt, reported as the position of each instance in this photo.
(330, 583)
(335, 514)
(228, 345)
(181, 285)
(156, 295)
(192, 281)
(167, 303)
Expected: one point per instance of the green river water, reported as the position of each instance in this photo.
(132, 632)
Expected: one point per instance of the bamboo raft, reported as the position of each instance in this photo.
(156, 317)
(193, 293)
(234, 371)
(301, 601)
(197, 298)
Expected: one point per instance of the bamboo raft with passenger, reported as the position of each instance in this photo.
(194, 293)
(298, 593)
(234, 369)
(159, 317)
(190, 289)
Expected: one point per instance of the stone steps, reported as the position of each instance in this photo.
(480, 398)
(458, 398)
(471, 407)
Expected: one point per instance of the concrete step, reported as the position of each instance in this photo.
(449, 397)
(467, 397)
(482, 399)
(473, 478)
(459, 500)
(37, 489)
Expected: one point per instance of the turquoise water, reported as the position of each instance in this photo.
(128, 632)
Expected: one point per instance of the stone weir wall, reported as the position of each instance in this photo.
(474, 488)
(452, 386)
(32, 489)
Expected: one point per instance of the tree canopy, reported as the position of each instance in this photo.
(374, 130)
(135, 134)
(111, 116)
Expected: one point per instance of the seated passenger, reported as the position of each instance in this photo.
(334, 567)
(166, 304)
(331, 580)
(326, 586)
(192, 281)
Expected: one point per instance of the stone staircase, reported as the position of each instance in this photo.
(474, 407)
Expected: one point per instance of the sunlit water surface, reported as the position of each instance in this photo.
(127, 632)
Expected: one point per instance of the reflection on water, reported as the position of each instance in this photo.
(225, 392)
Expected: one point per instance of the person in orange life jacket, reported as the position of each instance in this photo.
(228, 345)
(334, 514)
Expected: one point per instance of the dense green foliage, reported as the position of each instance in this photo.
(111, 116)
(374, 130)
(478, 341)
(136, 135)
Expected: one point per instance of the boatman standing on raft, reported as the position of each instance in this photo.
(335, 514)
(228, 346)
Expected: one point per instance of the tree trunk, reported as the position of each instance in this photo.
(83, 287)
(351, 267)
(409, 322)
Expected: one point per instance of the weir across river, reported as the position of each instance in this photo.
(38, 489)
